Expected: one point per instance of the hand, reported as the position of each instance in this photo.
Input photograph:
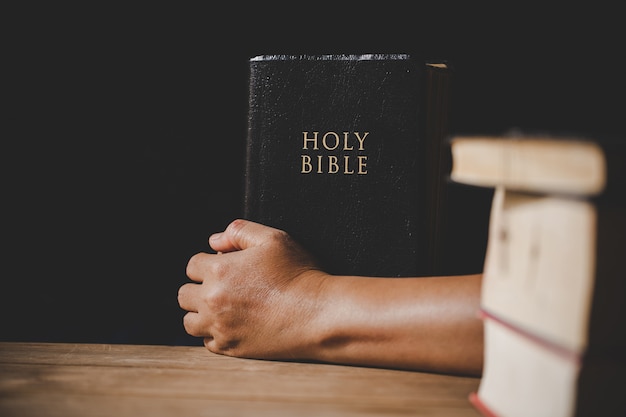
(256, 298)
(262, 296)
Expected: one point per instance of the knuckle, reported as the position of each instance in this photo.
(203, 266)
(225, 344)
(236, 224)
(214, 299)
(222, 329)
(229, 347)
(236, 227)
(208, 299)
(219, 268)
(279, 237)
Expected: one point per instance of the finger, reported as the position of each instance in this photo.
(242, 234)
(194, 325)
(209, 344)
(199, 266)
(187, 296)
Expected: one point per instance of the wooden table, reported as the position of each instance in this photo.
(53, 379)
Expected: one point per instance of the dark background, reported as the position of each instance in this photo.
(123, 135)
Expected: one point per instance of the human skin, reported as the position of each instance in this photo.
(263, 296)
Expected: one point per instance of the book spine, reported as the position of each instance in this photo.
(249, 201)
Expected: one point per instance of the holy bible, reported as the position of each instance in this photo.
(347, 154)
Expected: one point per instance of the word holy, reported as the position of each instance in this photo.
(323, 163)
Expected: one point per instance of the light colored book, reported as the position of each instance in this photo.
(554, 280)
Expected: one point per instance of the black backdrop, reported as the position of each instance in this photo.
(123, 130)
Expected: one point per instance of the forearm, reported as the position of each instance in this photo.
(428, 324)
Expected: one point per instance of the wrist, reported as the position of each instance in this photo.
(338, 318)
(322, 318)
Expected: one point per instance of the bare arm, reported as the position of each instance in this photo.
(265, 298)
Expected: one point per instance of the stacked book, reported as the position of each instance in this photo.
(553, 299)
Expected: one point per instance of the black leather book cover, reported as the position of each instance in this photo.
(344, 152)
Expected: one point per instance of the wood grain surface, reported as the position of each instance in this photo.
(53, 379)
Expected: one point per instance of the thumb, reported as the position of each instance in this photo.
(240, 234)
